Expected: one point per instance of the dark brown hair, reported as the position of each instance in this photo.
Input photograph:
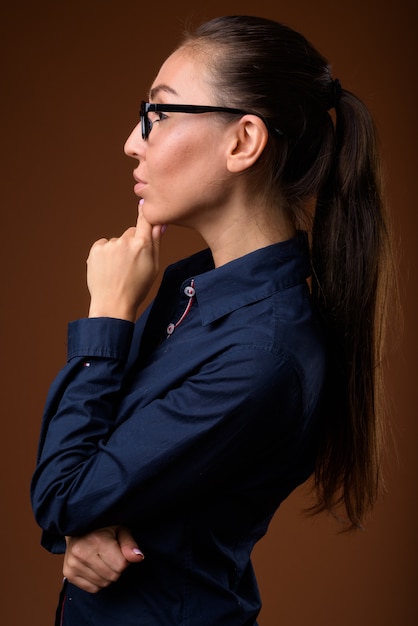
(329, 162)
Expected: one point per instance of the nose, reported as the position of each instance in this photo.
(134, 144)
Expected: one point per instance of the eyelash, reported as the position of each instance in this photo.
(160, 116)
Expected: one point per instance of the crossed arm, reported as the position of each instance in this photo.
(95, 560)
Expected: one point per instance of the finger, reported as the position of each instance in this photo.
(149, 234)
(97, 554)
(129, 546)
(143, 227)
(87, 577)
(100, 241)
(85, 583)
(97, 244)
(158, 232)
(110, 560)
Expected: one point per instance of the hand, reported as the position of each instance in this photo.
(120, 271)
(94, 561)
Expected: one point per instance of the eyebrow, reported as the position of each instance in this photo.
(156, 90)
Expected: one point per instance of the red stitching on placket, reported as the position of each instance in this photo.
(190, 292)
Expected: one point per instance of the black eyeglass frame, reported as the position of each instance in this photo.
(146, 107)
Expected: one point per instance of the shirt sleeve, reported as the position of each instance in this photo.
(95, 469)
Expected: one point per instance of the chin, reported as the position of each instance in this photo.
(152, 216)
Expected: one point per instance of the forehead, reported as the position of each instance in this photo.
(181, 79)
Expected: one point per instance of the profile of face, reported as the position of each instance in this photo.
(181, 173)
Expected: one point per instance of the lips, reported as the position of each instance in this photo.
(139, 185)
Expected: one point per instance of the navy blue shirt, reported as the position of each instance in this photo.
(190, 427)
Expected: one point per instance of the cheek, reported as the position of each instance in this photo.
(186, 173)
(165, 157)
(178, 161)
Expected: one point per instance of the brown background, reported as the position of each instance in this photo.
(72, 75)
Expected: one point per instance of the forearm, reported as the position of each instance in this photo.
(80, 410)
(105, 462)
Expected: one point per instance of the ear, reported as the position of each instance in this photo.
(248, 141)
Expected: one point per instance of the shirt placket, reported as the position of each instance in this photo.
(190, 292)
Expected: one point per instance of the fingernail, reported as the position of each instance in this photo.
(138, 552)
(141, 202)
(163, 228)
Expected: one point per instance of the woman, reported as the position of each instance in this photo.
(256, 366)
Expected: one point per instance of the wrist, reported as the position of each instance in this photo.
(118, 312)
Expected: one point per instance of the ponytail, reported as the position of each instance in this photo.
(351, 261)
(327, 177)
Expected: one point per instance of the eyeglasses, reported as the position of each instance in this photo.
(146, 107)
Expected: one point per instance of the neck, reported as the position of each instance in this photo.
(240, 232)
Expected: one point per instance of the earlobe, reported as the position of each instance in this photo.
(248, 143)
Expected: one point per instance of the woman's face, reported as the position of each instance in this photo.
(181, 172)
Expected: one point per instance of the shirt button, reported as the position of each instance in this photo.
(170, 329)
(189, 291)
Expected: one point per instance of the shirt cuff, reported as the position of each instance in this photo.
(104, 337)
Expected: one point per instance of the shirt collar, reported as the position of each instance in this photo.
(249, 278)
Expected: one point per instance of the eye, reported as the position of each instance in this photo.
(156, 116)
(153, 117)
